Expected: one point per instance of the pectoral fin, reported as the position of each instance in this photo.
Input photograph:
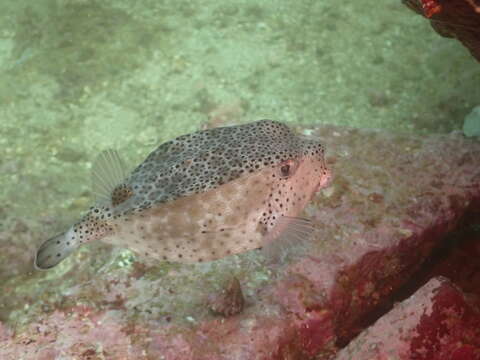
(291, 235)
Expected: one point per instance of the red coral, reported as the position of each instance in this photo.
(431, 7)
(458, 19)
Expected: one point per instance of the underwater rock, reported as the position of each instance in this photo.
(393, 199)
(437, 322)
(471, 126)
(458, 19)
(229, 301)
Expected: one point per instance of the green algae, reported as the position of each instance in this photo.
(471, 126)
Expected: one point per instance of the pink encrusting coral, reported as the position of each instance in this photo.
(82, 333)
(437, 323)
(393, 200)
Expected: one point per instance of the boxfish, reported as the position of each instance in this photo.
(201, 196)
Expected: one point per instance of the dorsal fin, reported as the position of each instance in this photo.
(108, 171)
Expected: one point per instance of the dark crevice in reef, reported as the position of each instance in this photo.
(456, 258)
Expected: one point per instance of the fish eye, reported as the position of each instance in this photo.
(287, 168)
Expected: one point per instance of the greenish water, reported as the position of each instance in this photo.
(79, 76)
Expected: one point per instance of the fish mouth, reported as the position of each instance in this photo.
(324, 181)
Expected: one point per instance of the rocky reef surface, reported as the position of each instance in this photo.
(437, 322)
(394, 200)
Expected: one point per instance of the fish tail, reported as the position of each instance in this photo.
(53, 251)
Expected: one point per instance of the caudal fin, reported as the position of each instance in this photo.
(52, 252)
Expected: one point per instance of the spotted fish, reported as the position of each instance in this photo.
(201, 196)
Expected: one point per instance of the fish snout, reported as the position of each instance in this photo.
(52, 252)
(325, 180)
